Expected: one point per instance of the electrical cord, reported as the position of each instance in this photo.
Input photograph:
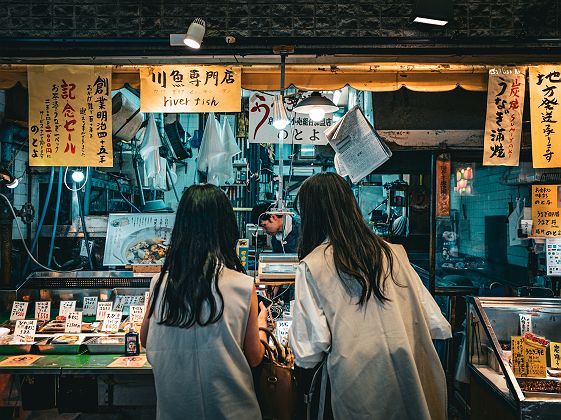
(25, 245)
(123, 195)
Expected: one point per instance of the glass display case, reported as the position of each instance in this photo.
(499, 387)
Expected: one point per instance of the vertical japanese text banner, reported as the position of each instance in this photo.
(503, 123)
(546, 211)
(545, 115)
(190, 88)
(70, 116)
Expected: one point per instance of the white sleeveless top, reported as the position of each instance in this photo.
(201, 372)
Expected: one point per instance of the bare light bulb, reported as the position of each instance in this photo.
(78, 176)
(317, 114)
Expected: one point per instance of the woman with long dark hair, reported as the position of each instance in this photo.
(362, 307)
(201, 329)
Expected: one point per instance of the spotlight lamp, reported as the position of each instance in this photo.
(195, 33)
(8, 179)
(280, 117)
(78, 176)
(316, 106)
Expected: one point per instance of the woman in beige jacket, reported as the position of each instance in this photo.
(361, 306)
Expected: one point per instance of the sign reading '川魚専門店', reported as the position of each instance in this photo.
(188, 88)
(70, 116)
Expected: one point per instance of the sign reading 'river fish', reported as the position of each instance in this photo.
(188, 88)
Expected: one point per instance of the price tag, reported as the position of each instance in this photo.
(90, 305)
(25, 331)
(66, 306)
(534, 357)
(119, 303)
(517, 348)
(137, 314)
(19, 309)
(525, 323)
(102, 309)
(146, 299)
(73, 323)
(555, 355)
(43, 310)
(282, 330)
(112, 321)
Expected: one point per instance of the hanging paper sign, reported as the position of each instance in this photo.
(525, 323)
(66, 306)
(545, 115)
(90, 305)
(25, 331)
(443, 185)
(73, 323)
(70, 116)
(43, 310)
(188, 88)
(112, 321)
(503, 124)
(301, 130)
(136, 314)
(102, 309)
(546, 210)
(19, 309)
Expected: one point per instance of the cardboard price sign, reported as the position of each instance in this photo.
(525, 323)
(534, 356)
(43, 310)
(102, 309)
(25, 331)
(90, 305)
(555, 355)
(137, 314)
(112, 321)
(66, 306)
(19, 309)
(73, 323)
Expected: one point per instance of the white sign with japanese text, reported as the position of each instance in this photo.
(66, 306)
(25, 331)
(136, 313)
(301, 130)
(90, 305)
(190, 88)
(73, 323)
(112, 321)
(19, 309)
(102, 309)
(43, 310)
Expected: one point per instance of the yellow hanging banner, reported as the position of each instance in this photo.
(503, 123)
(70, 116)
(189, 88)
(545, 115)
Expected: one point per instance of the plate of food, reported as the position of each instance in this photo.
(109, 344)
(147, 246)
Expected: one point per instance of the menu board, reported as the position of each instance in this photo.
(137, 239)
(546, 213)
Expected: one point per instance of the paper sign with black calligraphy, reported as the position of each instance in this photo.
(24, 331)
(19, 309)
(546, 211)
(545, 115)
(189, 88)
(43, 310)
(301, 130)
(503, 124)
(70, 116)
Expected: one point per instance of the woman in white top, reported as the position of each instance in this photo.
(361, 305)
(201, 330)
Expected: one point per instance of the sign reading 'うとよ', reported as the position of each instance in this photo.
(545, 115)
(503, 124)
(187, 88)
(70, 116)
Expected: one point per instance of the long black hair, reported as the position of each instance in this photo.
(329, 212)
(202, 242)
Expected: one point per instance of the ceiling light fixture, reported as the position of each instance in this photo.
(316, 106)
(78, 176)
(280, 117)
(432, 12)
(195, 33)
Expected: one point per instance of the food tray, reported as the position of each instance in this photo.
(7, 348)
(540, 386)
(51, 346)
(57, 327)
(110, 344)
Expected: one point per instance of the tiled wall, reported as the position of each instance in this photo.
(493, 188)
